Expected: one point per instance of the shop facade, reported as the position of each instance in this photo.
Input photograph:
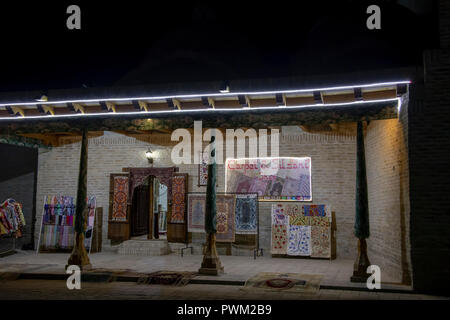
(317, 124)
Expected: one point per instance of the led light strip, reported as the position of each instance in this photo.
(381, 84)
(80, 115)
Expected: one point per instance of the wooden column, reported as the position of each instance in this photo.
(79, 255)
(211, 264)
(362, 231)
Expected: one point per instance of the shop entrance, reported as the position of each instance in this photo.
(148, 214)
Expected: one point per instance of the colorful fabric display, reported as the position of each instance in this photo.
(12, 219)
(308, 230)
(58, 222)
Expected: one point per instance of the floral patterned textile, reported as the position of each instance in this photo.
(320, 221)
(320, 242)
(225, 205)
(299, 241)
(120, 198)
(279, 239)
(178, 199)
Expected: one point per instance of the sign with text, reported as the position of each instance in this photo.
(274, 179)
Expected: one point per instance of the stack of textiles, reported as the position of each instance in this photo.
(307, 230)
(12, 219)
(58, 223)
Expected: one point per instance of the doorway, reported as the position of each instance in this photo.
(149, 209)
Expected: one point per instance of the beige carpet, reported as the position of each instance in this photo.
(284, 282)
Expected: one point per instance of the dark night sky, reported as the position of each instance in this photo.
(132, 42)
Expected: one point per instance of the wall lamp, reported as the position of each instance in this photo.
(149, 156)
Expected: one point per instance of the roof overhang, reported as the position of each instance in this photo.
(204, 103)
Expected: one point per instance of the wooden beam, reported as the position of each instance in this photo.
(17, 111)
(78, 108)
(281, 99)
(211, 103)
(244, 101)
(110, 106)
(48, 110)
(177, 103)
(143, 106)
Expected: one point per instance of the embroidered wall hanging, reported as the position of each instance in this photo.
(225, 224)
(120, 198)
(196, 212)
(178, 199)
(246, 213)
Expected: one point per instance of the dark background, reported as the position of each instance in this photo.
(136, 42)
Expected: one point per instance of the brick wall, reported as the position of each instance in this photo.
(388, 188)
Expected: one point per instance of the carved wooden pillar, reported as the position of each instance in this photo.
(211, 263)
(362, 231)
(79, 255)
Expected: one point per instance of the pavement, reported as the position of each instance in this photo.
(43, 276)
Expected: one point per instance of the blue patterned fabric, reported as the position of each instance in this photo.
(246, 213)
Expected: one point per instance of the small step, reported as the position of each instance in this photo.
(144, 247)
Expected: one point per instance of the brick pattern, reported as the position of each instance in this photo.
(388, 188)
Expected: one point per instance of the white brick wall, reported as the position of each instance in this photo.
(388, 188)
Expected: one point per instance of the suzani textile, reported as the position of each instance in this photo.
(320, 242)
(306, 227)
(315, 210)
(225, 206)
(120, 198)
(280, 224)
(320, 222)
(196, 212)
(246, 214)
(299, 241)
(279, 239)
(178, 199)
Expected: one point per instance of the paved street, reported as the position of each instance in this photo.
(237, 268)
(56, 289)
(335, 282)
